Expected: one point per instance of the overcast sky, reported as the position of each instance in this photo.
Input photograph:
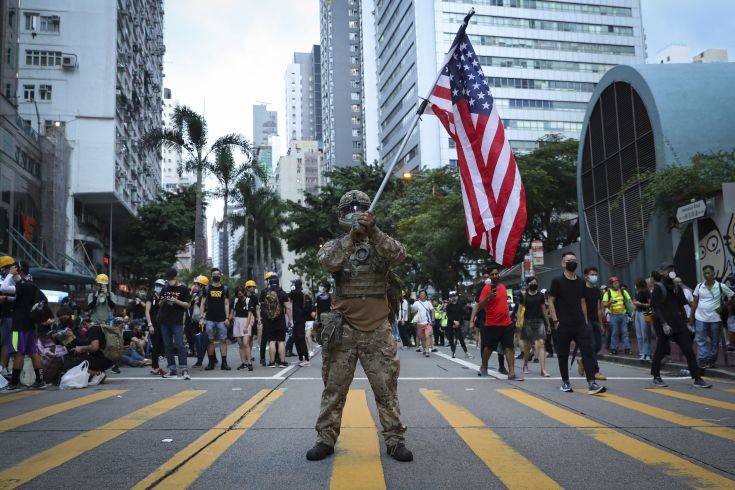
(222, 56)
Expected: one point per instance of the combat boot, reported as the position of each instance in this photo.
(319, 452)
(401, 453)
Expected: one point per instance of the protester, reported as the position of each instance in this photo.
(242, 322)
(642, 303)
(455, 313)
(214, 309)
(670, 323)
(276, 315)
(534, 325)
(731, 315)
(136, 309)
(569, 310)
(300, 308)
(195, 333)
(323, 305)
(101, 302)
(132, 355)
(88, 345)
(423, 312)
(404, 326)
(440, 323)
(24, 339)
(174, 303)
(498, 328)
(254, 314)
(6, 312)
(593, 300)
(614, 299)
(711, 299)
(152, 304)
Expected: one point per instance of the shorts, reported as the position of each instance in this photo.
(216, 330)
(6, 326)
(309, 325)
(274, 331)
(424, 330)
(24, 342)
(491, 336)
(240, 327)
(533, 329)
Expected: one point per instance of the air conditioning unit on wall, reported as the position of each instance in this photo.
(69, 61)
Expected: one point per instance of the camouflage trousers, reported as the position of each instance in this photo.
(377, 353)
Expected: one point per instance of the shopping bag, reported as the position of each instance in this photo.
(27, 375)
(76, 377)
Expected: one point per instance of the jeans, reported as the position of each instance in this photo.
(643, 334)
(130, 357)
(703, 331)
(619, 324)
(394, 331)
(173, 338)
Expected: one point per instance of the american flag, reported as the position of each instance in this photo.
(492, 191)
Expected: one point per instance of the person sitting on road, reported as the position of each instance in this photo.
(132, 354)
(88, 346)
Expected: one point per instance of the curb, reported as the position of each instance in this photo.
(673, 366)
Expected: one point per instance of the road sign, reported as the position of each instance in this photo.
(691, 211)
(537, 251)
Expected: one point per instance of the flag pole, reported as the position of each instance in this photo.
(419, 112)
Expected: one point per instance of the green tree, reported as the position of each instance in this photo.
(188, 133)
(162, 228)
(228, 173)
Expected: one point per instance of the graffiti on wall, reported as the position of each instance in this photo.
(716, 246)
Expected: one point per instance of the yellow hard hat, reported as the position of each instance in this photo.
(268, 275)
(102, 279)
(250, 283)
(203, 280)
(6, 260)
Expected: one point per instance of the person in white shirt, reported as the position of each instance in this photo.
(710, 297)
(423, 312)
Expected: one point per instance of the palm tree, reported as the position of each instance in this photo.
(229, 172)
(188, 133)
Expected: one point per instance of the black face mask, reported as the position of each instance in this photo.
(533, 287)
(216, 278)
(571, 266)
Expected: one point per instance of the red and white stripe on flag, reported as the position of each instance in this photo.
(492, 191)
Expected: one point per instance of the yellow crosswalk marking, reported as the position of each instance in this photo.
(694, 398)
(512, 468)
(41, 413)
(668, 463)
(17, 396)
(730, 390)
(49, 459)
(209, 446)
(357, 462)
(674, 418)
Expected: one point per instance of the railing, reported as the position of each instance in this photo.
(26, 250)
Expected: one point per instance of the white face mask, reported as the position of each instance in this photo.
(488, 281)
(321, 290)
(672, 275)
(158, 289)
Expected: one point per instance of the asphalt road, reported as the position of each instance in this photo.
(236, 429)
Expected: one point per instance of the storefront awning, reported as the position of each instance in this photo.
(45, 275)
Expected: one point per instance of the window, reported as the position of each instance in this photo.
(357, 145)
(355, 120)
(31, 21)
(355, 72)
(50, 24)
(355, 95)
(355, 107)
(44, 92)
(50, 125)
(43, 58)
(29, 93)
(355, 133)
(354, 24)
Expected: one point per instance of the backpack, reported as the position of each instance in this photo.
(114, 340)
(272, 305)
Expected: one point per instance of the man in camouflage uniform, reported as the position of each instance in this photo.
(360, 263)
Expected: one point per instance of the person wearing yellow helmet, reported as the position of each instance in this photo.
(255, 326)
(101, 301)
(195, 334)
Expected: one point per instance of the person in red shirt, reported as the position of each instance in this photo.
(498, 327)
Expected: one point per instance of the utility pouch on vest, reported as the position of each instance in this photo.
(331, 333)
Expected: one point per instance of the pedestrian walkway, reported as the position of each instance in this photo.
(493, 450)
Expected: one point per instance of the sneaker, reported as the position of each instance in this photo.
(209, 367)
(242, 366)
(250, 367)
(115, 369)
(566, 387)
(482, 372)
(426, 354)
(272, 365)
(641, 357)
(519, 355)
(434, 349)
(304, 364)
(700, 383)
(225, 367)
(658, 383)
(185, 374)
(401, 453)
(468, 355)
(594, 388)
(502, 370)
(39, 385)
(97, 379)
(452, 355)
(419, 349)
(319, 452)
(197, 364)
(262, 362)
(311, 353)
(283, 364)
(12, 388)
(600, 377)
(525, 369)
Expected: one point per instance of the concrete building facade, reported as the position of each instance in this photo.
(173, 176)
(93, 70)
(303, 96)
(541, 59)
(681, 53)
(265, 124)
(341, 34)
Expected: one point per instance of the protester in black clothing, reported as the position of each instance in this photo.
(89, 345)
(276, 316)
(136, 310)
(534, 324)
(300, 315)
(174, 303)
(323, 300)
(455, 323)
(154, 332)
(214, 308)
(593, 300)
(569, 310)
(670, 323)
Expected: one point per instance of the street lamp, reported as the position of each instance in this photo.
(407, 176)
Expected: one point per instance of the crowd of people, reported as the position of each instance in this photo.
(168, 322)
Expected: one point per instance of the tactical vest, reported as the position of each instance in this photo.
(363, 274)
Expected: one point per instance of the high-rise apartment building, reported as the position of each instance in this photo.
(93, 70)
(173, 176)
(341, 33)
(541, 58)
(265, 124)
(303, 97)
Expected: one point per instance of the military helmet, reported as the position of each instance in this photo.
(352, 201)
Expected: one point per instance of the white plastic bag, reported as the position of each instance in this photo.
(76, 377)
(27, 375)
